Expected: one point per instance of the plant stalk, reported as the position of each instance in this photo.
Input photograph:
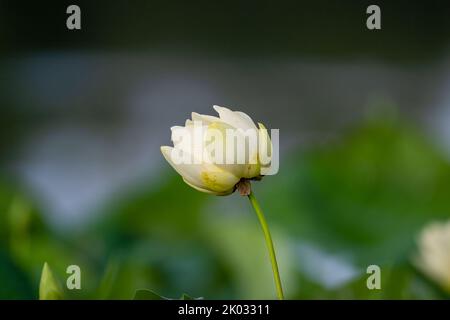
(269, 243)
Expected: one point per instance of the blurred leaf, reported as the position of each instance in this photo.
(145, 294)
(107, 282)
(15, 283)
(368, 193)
(239, 243)
(185, 296)
(149, 232)
(49, 288)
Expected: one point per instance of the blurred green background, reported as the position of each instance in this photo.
(364, 131)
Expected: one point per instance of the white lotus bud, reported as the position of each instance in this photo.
(434, 253)
(214, 154)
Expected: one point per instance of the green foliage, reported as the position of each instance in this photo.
(362, 200)
(370, 193)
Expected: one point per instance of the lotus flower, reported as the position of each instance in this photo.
(236, 159)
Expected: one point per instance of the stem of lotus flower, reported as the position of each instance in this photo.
(273, 258)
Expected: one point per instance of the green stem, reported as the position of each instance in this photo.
(273, 258)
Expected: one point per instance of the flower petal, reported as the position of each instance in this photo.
(202, 176)
(190, 172)
(182, 138)
(265, 143)
(206, 119)
(208, 191)
(237, 119)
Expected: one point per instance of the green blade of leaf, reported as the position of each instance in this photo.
(144, 294)
(185, 296)
(49, 288)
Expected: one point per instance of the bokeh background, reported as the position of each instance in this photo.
(364, 129)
